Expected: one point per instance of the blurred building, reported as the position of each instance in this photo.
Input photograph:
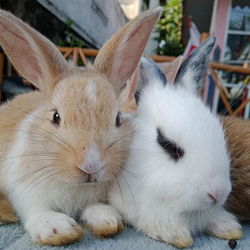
(131, 7)
(94, 20)
(229, 21)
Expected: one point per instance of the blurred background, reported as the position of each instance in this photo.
(80, 27)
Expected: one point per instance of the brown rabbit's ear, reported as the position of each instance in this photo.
(34, 56)
(127, 96)
(170, 69)
(120, 55)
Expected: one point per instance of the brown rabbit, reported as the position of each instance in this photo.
(237, 133)
(62, 146)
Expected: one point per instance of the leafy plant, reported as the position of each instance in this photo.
(70, 39)
(169, 28)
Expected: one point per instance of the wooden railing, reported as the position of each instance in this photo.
(213, 70)
(79, 54)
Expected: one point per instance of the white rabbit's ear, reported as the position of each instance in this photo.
(193, 69)
(127, 95)
(149, 73)
(120, 55)
(146, 73)
(170, 69)
(34, 56)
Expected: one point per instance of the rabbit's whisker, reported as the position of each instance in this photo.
(119, 139)
(120, 190)
(130, 190)
(34, 178)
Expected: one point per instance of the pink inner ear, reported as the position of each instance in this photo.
(170, 69)
(20, 51)
(133, 83)
(129, 52)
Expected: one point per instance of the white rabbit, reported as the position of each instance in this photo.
(176, 179)
(61, 146)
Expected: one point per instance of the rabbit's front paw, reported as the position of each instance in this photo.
(103, 220)
(181, 242)
(177, 238)
(225, 226)
(226, 230)
(53, 229)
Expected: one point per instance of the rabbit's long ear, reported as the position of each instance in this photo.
(193, 69)
(35, 57)
(127, 96)
(170, 69)
(120, 55)
(149, 74)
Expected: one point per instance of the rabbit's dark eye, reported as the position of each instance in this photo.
(118, 120)
(169, 146)
(56, 118)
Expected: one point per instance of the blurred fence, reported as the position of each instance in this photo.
(82, 57)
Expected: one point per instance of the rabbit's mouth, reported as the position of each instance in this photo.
(96, 176)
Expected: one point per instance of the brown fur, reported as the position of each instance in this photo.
(238, 137)
(6, 212)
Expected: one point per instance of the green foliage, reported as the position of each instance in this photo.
(69, 39)
(169, 28)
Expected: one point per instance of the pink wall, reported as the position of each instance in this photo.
(220, 24)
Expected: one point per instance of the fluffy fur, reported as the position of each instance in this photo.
(169, 198)
(238, 136)
(54, 171)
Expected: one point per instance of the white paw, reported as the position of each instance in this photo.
(176, 234)
(179, 239)
(225, 227)
(103, 220)
(53, 228)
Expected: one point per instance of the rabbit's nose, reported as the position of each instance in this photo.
(93, 161)
(92, 168)
(217, 195)
(213, 198)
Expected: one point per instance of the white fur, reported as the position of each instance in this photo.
(101, 215)
(91, 90)
(45, 225)
(169, 200)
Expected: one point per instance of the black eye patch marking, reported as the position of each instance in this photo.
(169, 147)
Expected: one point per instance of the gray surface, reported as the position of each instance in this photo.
(95, 20)
(13, 237)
